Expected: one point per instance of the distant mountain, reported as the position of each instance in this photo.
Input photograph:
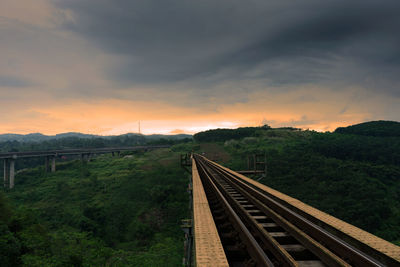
(373, 128)
(173, 137)
(74, 134)
(33, 137)
(38, 137)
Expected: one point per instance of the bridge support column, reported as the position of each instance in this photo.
(188, 243)
(53, 164)
(85, 157)
(46, 164)
(6, 172)
(12, 173)
(113, 154)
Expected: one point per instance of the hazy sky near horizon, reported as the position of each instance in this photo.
(100, 66)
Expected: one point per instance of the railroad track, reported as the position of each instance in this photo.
(256, 230)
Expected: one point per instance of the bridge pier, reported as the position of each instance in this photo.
(116, 153)
(53, 164)
(83, 157)
(9, 172)
(6, 172)
(46, 164)
(50, 160)
(86, 157)
(12, 173)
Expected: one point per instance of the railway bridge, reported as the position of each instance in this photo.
(240, 222)
(50, 156)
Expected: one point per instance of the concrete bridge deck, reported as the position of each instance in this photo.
(51, 155)
(60, 152)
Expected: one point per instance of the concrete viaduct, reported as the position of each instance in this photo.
(51, 155)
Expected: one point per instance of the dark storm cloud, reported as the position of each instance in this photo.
(281, 42)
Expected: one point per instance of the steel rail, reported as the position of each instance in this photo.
(268, 241)
(253, 248)
(309, 233)
(321, 252)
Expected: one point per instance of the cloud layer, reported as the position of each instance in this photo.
(317, 64)
(281, 42)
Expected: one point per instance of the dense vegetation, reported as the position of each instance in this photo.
(108, 212)
(353, 177)
(218, 135)
(126, 211)
(373, 128)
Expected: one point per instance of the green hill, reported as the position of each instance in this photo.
(372, 128)
(218, 135)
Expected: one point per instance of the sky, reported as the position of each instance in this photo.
(183, 66)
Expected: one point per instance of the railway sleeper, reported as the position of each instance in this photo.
(295, 249)
(262, 219)
(283, 238)
(248, 206)
(272, 227)
(255, 212)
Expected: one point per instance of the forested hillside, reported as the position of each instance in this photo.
(351, 176)
(373, 128)
(109, 212)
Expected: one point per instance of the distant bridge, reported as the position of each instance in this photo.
(240, 222)
(51, 155)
